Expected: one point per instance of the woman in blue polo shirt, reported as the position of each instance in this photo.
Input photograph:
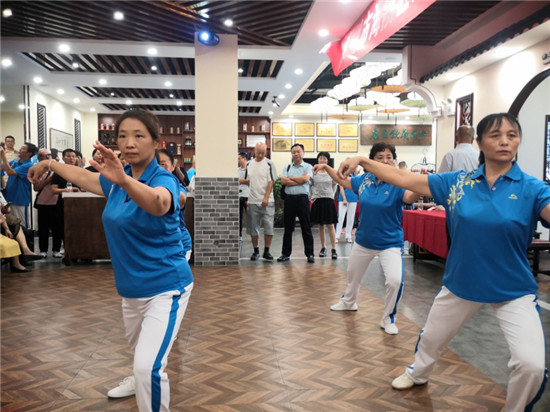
(379, 233)
(492, 214)
(141, 222)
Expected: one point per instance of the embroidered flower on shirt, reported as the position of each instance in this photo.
(367, 181)
(457, 190)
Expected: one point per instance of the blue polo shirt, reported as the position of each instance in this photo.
(351, 196)
(18, 188)
(491, 229)
(381, 213)
(146, 250)
(297, 171)
(185, 236)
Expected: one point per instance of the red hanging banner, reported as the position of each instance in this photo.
(381, 20)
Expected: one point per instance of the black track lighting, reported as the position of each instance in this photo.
(275, 102)
(208, 37)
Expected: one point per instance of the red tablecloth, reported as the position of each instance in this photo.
(426, 228)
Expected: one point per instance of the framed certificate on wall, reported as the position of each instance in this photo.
(348, 130)
(348, 145)
(304, 129)
(282, 129)
(309, 144)
(326, 129)
(326, 145)
(281, 145)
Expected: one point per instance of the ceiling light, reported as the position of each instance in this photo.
(153, 68)
(76, 65)
(241, 70)
(152, 51)
(168, 84)
(7, 13)
(281, 96)
(228, 22)
(323, 33)
(64, 48)
(2, 99)
(298, 71)
(288, 86)
(76, 100)
(60, 91)
(208, 38)
(37, 79)
(171, 95)
(112, 93)
(21, 106)
(6, 62)
(270, 112)
(103, 82)
(118, 15)
(128, 102)
(179, 103)
(92, 109)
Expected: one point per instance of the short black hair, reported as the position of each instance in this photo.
(67, 151)
(31, 148)
(244, 154)
(297, 144)
(381, 147)
(166, 152)
(326, 154)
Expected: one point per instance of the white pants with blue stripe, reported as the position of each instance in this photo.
(151, 325)
(392, 264)
(520, 322)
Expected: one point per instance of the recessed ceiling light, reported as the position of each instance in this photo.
(179, 103)
(118, 15)
(171, 95)
(92, 109)
(153, 68)
(228, 22)
(76, 65)
(323, 32)
(298, 71)
(281, 96)
(128, 102)
(6, 62)
(102, 82)
(241, 70)
(21, 106)
(112, 93)
(270, 112)
(168, 84)
(152, 51)
(37, 79)
(64, 48)
(60, 91)
(7, 13)
(288, 86)
(76, 100)
(2, 99)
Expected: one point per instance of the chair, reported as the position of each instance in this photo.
(533, 251)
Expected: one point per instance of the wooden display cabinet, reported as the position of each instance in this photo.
(252, 130)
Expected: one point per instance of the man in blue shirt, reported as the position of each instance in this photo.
(18, 188)
(296, 178)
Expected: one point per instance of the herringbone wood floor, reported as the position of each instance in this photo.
(253, 339)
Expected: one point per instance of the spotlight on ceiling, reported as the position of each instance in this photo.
(208, 38)
(275, 102)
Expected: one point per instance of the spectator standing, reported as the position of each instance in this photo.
(18, 188)
(323, 210)
(260, 176)
(242, 159)
(347, 205)
(296, 178)
(46, 205)
(11, 154)
(98, 158)
(463, 156)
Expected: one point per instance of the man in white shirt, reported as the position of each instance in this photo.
(464, 156)
(260, 176)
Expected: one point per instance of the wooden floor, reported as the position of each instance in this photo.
(253, 339)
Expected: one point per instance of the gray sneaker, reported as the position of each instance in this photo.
(124, 389)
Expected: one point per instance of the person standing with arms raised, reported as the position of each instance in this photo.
(492, 214)
(141, 222)
(296, 177)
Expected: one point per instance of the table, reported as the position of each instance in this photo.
(84, 234)
(426, 229)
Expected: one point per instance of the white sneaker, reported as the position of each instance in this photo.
(57, 254)
(402, 382)
(343, 306)
(389, 328)
(43, 254)
(125, 388)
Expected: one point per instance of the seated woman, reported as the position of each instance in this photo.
(12, 229)
(10, 248)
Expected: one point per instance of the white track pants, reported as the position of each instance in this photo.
(520, 322)
(392, 265)
(151, 327)
(342, 210)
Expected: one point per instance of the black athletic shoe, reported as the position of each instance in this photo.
(283, 258)
(267, 256)
(310, 259)
(255, 256)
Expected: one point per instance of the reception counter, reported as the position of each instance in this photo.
(84, 234)
(426, 229)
